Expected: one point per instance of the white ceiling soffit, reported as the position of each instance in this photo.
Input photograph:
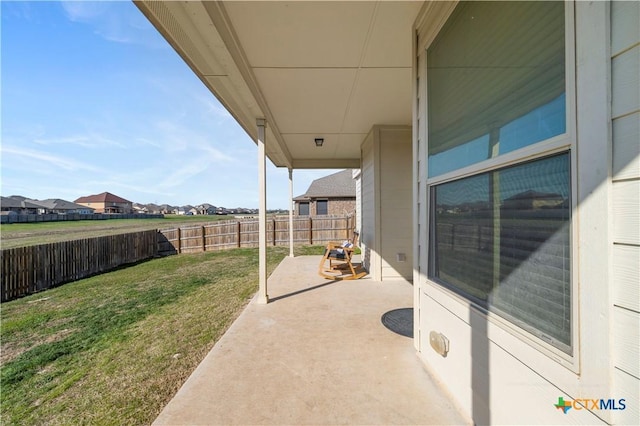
(312, 68)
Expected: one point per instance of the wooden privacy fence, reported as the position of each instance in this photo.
(55, 217)
(244, 233)
(26, 270)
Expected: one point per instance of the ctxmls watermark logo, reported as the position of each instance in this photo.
(590, 404)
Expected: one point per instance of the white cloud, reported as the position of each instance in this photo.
(22, 10)
(149, 142)
(48, 159)
(113, 22)
(216, 155)
(86, 141)
(184, 172)
(84, 11)
(111, 183)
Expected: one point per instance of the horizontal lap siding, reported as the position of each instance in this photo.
(396, 201)
(625, 273)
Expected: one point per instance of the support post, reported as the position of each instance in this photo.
(262, 217)
(290, 212)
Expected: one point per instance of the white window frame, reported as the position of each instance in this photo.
(460, 305)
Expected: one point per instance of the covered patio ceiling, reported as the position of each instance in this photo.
(312, 69)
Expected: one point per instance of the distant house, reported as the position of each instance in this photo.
(330, 195)
(107, 203)
(18, 205)
(207, 209)
(166, 209)
(140, 208)
(530, 200)
(58, 206)
(185, 210)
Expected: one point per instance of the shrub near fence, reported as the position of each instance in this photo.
(30, 269)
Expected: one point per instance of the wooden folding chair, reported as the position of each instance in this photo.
(336, 263)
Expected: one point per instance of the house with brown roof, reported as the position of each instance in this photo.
(58, 206)
(330, 195)
(106, 202)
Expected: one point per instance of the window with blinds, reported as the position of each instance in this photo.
(502, 239)
(496, 81)
(501, 236)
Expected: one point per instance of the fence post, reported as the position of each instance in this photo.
(346, 230)
(310, 231)
(273, 221)
(239, 234)
(179, 248)
(204, 240)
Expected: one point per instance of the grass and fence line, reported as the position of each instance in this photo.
(55, 217)
(245, 233)
(31, 269)
(116, 347)
(29, 234)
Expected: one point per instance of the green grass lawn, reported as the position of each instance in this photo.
(115, 348)
(26, 234)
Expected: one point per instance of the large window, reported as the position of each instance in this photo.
(500, 226)
(303, 208)
(496, 81)
(502, 239)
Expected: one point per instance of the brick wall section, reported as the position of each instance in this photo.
(335, 207)
(341, 206)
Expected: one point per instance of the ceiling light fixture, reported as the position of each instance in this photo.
(319, 141)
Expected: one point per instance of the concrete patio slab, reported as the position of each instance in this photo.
(316, 354)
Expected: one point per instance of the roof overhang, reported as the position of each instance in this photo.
(312, 69)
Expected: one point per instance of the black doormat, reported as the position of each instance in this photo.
(399, 321)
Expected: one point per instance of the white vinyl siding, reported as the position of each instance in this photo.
(625, 269)
(386, 202)
(395, 198)
(368, 228)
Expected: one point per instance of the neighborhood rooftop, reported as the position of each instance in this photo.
(340, 184)
(105, 197)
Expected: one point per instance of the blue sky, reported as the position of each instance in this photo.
(94, 100)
